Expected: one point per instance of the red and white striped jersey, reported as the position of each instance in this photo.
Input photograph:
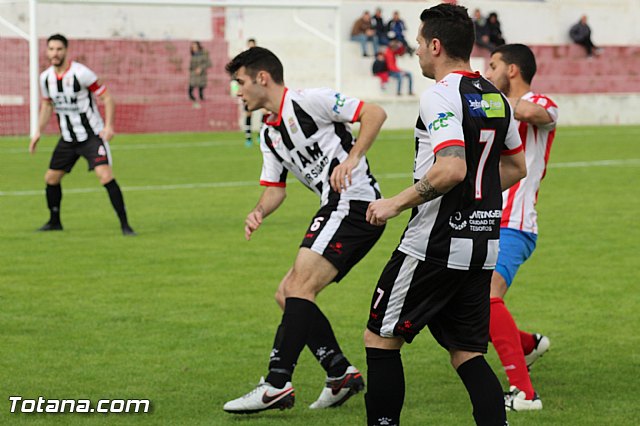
(309, 137)
(72, 95)
(519, 201)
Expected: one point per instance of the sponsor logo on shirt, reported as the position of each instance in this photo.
(440, 122)
(292, 125)
(340, 100)
(484, 220)
(490, 105)
(456, 222)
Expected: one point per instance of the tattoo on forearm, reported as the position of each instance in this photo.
(452, 151)
(426, 191)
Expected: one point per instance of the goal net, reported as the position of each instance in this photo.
(141, 53)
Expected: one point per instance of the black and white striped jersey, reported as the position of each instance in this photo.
(72, 95)
(310, 136)
(461, 229)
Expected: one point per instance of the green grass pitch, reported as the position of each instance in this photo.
(183, 314)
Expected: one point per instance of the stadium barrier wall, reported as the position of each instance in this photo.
(309, 60)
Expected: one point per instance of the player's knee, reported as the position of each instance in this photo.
(104, 174)
(295, 286)
(458, 357)
(52, 178)
(372, 340)
(279, 297)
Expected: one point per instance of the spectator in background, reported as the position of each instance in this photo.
(200, 62)
(381, 70)
(580, 33)
(494, 31)
(393, 49)
(363, 32)
(398, 27)
(482, 32)
(381, 29)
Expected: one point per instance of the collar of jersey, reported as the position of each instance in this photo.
(279, 120)
(467, 74)
(61, 76)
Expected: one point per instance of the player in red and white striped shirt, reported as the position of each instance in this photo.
(511, 69)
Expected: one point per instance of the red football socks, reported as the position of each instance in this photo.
(505, 337)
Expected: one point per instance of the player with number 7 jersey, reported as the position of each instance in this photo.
(467, 150)
(461, 229)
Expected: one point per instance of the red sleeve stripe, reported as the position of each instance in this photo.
(267, 183)
(357, 113)
(445, 144)
(97, 89)
(512, 151)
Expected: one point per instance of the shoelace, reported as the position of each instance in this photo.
(261, 385)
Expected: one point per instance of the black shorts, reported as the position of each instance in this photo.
(94, 149)
(412, 294)
(340, 233)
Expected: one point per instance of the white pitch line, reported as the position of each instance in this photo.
(154, 146)
(601, 163)
(633, 162)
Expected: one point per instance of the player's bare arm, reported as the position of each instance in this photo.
(426, 190)
(109, 115)
(449, 170)
(371, 119)
(530, 112)
(512, 169)
(43, 118)
(271, 198)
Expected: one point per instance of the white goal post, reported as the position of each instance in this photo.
(32, 35)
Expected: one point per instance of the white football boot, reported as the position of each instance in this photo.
(516, 400)
(338, 389)
(263, 397)
(542, 346)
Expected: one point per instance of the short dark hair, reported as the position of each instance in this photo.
(520, 55)
(451, 25)
(257, 59)
(59, 37)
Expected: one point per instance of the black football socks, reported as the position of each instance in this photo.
(291, 338)
(54, 198)
(324, 346)
(385, 387)
(117, 201)
(484, 391)
(247, 127)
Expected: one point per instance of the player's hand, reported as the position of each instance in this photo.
(380, 211)
(341, 177)
(107, 133)
(252, 223)
(34, 143)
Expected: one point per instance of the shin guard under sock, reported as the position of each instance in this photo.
(484, 391)
(506, 339)
(294, 329)
(385, 387)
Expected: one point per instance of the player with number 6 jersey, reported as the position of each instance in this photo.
(308, 133)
